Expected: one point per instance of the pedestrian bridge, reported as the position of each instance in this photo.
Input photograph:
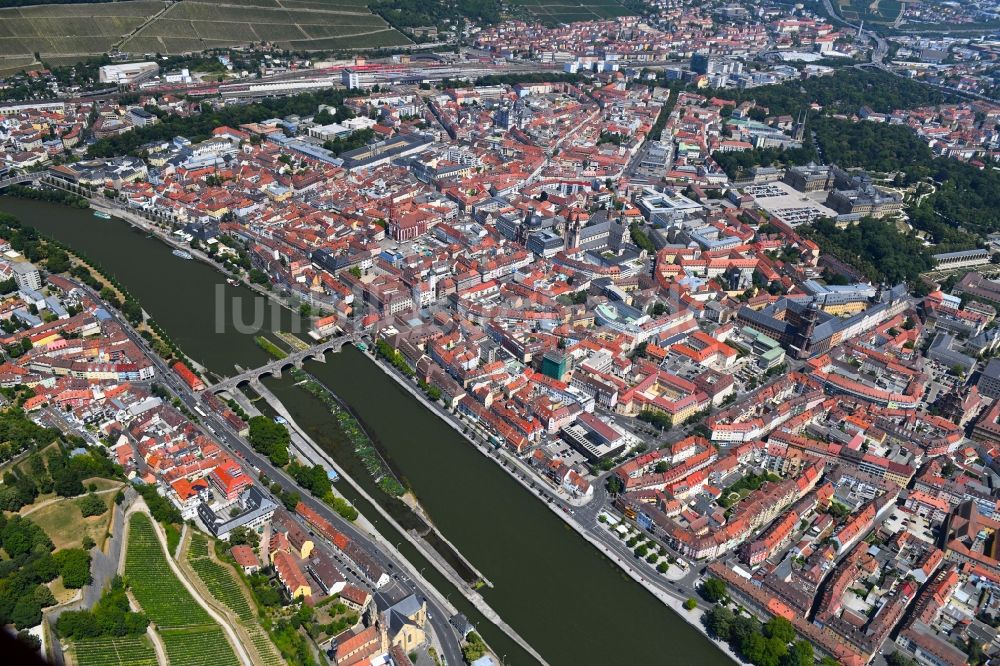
(293, 360)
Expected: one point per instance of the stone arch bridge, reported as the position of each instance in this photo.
(293, 360)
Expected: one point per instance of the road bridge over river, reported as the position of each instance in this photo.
(293, 360)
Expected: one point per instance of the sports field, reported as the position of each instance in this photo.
(567, 11)
(153, 26)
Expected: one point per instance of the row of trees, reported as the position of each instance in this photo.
(770, 644)
(386, 351)
(529, 77)
(272, 439)
(162, 509)
(433, 392)
(51, 195)
(314, 479)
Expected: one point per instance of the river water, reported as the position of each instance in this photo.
(567, 600)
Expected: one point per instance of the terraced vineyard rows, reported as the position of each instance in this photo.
(199, 646)
(190, 635)
(265, 648)
(70, 29)
(76, 30)
(553, 11)
(198, 547)
(156, 588)
(124, 651)
(224, 584)
(194, 25)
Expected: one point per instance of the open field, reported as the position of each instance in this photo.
(123, 651)
(566, 11)
(57, 32)
(62, 520)
(66, 526)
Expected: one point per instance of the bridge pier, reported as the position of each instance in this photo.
(320, 356)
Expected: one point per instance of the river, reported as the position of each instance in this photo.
(566, 599)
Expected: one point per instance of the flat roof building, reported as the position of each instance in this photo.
(127, 73)
(593, 438)
(383, 152)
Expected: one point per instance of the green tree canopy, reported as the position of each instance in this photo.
(74, 566)
(111, 616)
(270, 439)
(713, 590)
(92, 505)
